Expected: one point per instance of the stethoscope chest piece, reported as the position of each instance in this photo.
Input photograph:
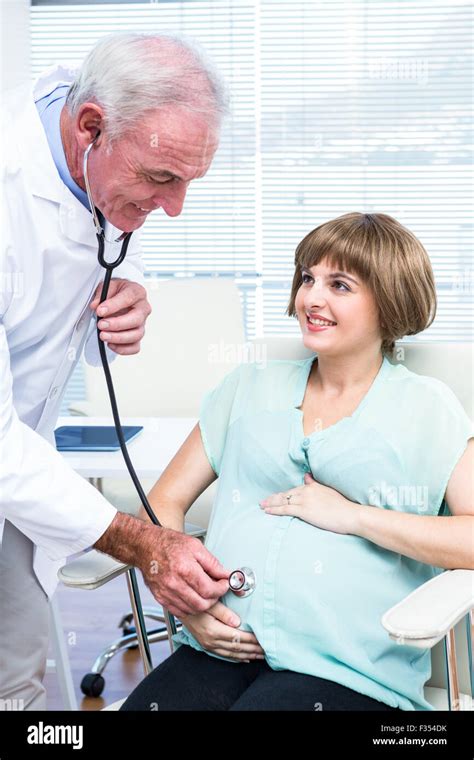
(242, 581)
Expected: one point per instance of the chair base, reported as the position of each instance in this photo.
(126, 641)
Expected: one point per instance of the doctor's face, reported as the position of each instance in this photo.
(151, 167)
(337, 311)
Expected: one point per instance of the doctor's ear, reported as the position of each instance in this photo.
(89, 123)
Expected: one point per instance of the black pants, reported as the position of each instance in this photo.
(192, 680)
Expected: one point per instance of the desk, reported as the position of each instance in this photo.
(150, 451)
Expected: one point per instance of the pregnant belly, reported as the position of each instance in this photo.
(306, 578)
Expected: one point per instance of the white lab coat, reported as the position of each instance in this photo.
(49, 272)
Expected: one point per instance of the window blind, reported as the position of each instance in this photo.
(336, 106)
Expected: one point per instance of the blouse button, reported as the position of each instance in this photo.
(305, 443)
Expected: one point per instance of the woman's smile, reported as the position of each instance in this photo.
(316, 324)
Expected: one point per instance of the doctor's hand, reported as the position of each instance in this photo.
(180, 572)
(122, 315)
(316, 504)
(217, 630)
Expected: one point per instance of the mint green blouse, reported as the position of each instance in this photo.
(320, 595)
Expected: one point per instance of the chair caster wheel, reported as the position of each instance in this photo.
(126, 632)
(127, 628)
(92, 685)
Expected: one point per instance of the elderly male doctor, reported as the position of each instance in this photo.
(153, 106)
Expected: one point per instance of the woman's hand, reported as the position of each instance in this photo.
(314, 503)
(217, 631)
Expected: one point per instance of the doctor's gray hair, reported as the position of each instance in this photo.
(131, 74)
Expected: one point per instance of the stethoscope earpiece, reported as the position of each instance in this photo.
(124, 238)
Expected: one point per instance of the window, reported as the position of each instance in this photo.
(337, 106)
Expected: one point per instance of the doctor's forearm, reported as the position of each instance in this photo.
(126, 539)
(446, 542)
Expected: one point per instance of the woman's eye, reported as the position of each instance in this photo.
(337, 284)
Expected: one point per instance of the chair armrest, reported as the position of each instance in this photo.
(80, 409)
(93, 569)
(426, 615)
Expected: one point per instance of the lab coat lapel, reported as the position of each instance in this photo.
(76, 220)
(44, 181)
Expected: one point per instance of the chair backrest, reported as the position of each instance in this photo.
(450, 362)
(192, 340)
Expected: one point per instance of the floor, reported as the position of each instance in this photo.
(90, 621)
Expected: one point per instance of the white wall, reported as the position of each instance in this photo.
(14, 42)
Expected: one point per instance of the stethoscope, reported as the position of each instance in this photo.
(241, 581)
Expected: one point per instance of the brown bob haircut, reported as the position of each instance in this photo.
(387, 257)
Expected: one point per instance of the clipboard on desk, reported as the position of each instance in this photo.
(93, 437)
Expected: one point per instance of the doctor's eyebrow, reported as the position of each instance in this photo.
(331, 276)
(163, 174)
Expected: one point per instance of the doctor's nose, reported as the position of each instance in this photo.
(171, 198)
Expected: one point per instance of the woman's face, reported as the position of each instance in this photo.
(346, 306)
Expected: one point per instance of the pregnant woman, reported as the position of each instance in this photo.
(344, 484)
